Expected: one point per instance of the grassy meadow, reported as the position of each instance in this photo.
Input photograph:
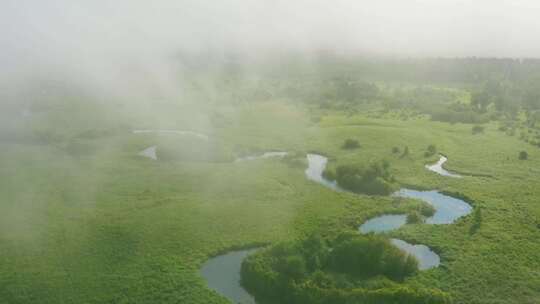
(84, 219)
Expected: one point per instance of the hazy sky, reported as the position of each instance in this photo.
(93, 35)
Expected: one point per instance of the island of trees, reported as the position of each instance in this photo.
(350, 268)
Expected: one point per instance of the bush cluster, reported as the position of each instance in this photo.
(374, 179)
(350, 144)
(477, 129)
(414, 217)
(352, 268)
(405, 152)
(430, 151)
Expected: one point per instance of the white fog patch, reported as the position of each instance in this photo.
(149, 152)
(278, 154)
(178, 132)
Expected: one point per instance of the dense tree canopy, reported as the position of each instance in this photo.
(374, 179)
(351, 268)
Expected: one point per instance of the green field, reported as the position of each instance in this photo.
(84, 219)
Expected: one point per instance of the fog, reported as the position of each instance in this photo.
(104, 42)
(136, 139)
(127, 48)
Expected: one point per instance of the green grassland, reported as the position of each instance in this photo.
(83, 219)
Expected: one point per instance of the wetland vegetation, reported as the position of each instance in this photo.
(147, 226)
(136, 167)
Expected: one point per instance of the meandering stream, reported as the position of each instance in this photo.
(316, 165)
(447, 208)
(438, 168)
(223, 272)
(261, 156)
(383, 223)
(427, 259)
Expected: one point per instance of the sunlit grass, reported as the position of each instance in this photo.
(110, 226)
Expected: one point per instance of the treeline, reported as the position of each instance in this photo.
(351, 268)
(509, 98)
(470, 70)
(495, 88)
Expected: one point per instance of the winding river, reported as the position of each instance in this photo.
(447, 210)
(427, 259)
(222, 273)
(383, 223)
(438, 168)
(261, 156)
(316, 165)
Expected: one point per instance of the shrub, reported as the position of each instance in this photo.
(430, 151)
(414, 217)
(405, 152)
(477, 129)
(523, 155)
(477, 220)
(511, 132)
(426, 210)
(395, 150)
(350, 144)
(329, 174)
